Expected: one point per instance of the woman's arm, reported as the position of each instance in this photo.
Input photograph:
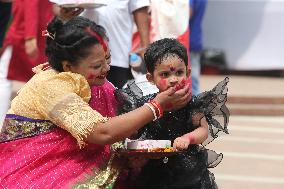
(120, 127)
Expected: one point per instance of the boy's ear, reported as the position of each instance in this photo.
(150, 78)
(66, 66)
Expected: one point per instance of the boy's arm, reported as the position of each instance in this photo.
(200, 134)
(197, 136)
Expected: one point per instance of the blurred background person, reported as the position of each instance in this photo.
(23, 46)
(118, 18)
(5, 14)
(168, 19)
(197, 10)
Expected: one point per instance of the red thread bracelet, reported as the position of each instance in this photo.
(158, 107)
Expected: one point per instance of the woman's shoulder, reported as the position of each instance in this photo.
(46, 79)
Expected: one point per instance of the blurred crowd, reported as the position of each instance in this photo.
(131, 26)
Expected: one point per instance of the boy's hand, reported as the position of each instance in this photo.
(181, 143)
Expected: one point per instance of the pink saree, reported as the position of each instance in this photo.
(38, 154)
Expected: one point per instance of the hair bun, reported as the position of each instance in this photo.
(54, 25)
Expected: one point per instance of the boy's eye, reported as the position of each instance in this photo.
(164, 74)
(180, 72)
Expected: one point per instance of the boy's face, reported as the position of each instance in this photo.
(171, 72)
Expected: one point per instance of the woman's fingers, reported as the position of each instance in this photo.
(182, 98)
(183, 91)
(182, 101)
(172, 99)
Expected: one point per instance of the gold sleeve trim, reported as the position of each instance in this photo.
(76, 116)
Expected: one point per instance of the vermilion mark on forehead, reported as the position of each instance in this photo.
(172, 68)
(99, 38)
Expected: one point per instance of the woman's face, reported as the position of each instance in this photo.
(95, 66)
(172, 72)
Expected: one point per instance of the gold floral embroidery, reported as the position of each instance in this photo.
(15, 129)
(104, 179)
(76, 116)
(60, 97)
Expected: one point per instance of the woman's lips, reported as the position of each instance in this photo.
(101, 77)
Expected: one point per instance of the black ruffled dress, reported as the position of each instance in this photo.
(187, 170)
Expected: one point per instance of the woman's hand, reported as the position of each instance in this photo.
(181, 143)
(31, 47)
(173, 99)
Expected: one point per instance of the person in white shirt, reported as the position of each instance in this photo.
(118, 18)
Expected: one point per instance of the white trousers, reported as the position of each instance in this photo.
(5, 84)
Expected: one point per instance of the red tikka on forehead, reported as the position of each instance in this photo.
(99, 38)
(172, 68)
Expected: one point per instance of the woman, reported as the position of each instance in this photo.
(51, 137)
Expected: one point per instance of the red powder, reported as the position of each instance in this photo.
(91, 76)
(163, 83)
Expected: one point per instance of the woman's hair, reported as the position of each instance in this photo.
(162, 49)
(72, 40)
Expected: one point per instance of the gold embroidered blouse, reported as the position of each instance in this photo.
(60, 97)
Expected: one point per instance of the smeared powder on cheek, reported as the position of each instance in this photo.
(91, 76)
(163, 83)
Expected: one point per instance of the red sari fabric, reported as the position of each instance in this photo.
(103, 100)
(29, 19)
(52, 160)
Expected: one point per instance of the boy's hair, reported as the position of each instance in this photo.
(161, 49)
(72, 40)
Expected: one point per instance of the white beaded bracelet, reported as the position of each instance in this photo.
(153, 110)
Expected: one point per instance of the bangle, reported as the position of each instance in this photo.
(153, 110)
(158, 107)
(191, 138)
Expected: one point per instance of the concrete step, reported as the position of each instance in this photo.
(253, 105)
(249, 95)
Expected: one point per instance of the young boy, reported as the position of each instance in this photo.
(167, 65)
